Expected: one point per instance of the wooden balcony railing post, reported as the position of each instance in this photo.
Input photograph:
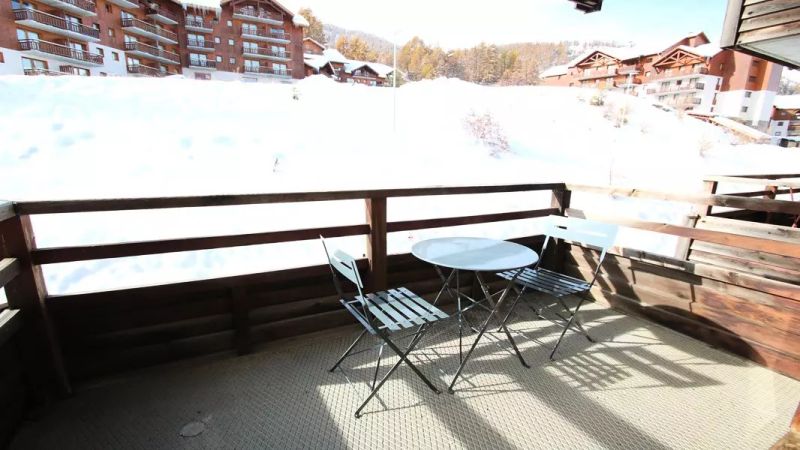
(698, 212)
(376, 242)
(560, 200)
(41, 351)
(771, 193)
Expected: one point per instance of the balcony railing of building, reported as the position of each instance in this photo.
(258, 15)
(132, 22)
(141, 69)
(597, 74)
(685, 71)
(198, 24)
(162, 15)
(266, 34)
(201, 43)
(682, 88)
(43, 72)
(260, 70)
(203, 63)
(84, 5)
(267, 52)
(60, 50)
(55, 22)
(154, 51)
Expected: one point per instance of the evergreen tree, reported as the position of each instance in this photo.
(315, 26)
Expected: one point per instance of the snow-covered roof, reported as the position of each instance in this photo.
(555, 71)
(334, 55)
(315, 61)
(319, 44)
(300, 21)
(787, 101)
(706, 50)
(202, 5)
(381, 69)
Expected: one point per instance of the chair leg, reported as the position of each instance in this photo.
(377, 366)
(578, 323)
(349, 349)
(520, 292)
(566, 327)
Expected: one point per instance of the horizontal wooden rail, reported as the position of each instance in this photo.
(759, 193)
(781, 182)
(752, 204)
(468, 220)
(105, 251)
(765, 176)
(127, 204)
(10, 323)
(716, 237)
(9, 269)
(6, 210)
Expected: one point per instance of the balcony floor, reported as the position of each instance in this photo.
(640, 386)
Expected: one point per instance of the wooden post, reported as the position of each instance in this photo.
(240, 312)
(772, 192)
(698, 212)
(376, 242)
(39, 345)
(561, 200)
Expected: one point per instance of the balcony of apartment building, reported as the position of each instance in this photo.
(129, 4)
(150, 52)
(594, 74)
(200, 45)
(200, 63)
(146, 71)
(198, 24)
(148, 30)
(46, 72)
(50, 23)
(693, 350)
(681, 101)
(679, 72)
(46, 49)
(254, 14)
(161, 15)
(80, 8)
(267, 71)
(272, 53)
(262, 34)
(683, 87)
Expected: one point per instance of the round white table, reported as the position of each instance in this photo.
(475, 255)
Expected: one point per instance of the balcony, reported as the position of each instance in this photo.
(161, 15)
(268, 71)
(146, 71)
(198, 25)
(150, 52)
(51, 50)
(203, 64)
(266, 53)
(597, 74)
(148, 30)
(200, 45)
(255, 15)
(683, 88)
(266, 35)
(56, 25)
(34, 72)
(130, 4)
(80, 8)
(681, 344)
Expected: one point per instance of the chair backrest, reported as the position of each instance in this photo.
(345, 265)
(586, 232)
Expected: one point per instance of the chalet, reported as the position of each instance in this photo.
(331, 63)
(312, 47)
(690, 74)
(784, 126)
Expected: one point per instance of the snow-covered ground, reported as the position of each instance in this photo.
(72, 137)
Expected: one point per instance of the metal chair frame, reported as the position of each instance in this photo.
(381, 313)
(555, 284)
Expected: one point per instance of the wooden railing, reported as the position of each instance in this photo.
(248, 308)
(264, 51)
(56, 22)
(131, 22)
(60, 50)
(141, 69)
(82, 4)
(154, 51)
(258, 14)
(268, 71)
(200, 43)
(260, 32)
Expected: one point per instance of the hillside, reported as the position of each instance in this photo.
(73, 137)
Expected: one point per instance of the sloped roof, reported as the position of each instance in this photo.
(787, 101)
(334, 55)
(319, 44)
(555, 71)
(704, 51)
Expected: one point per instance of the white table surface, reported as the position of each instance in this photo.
(474, 254)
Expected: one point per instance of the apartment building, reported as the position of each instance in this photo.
(690, 74)
(331, 63)
(784, 127)
(250, 40)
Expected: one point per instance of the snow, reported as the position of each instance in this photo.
(705, 50)
(334, 55)
(787, 101)
(300, 21)
(554, 71)
(75, 137)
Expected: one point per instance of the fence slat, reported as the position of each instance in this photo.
(9, 269)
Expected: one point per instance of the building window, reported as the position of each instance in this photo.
(217, 40)
(108, 8)
(744, 109)
(231, 42)
(780, 124)
(668, 71)
(747, 94)
(110, 32)
(33, 64)
(2, 58)
(230, 24)
(219, 59)
(115, 55)
(232, 61)
(103, 74)
(752, 79)
(202, 76)
(777, 133)
(721, 67)
(101, 52)
(647, 74)
(96, 26)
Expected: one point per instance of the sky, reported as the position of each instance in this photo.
(457, 23)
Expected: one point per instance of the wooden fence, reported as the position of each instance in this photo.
(79, 336)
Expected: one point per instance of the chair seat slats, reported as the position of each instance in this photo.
(549, 282)
(438, 313)
(398, 309)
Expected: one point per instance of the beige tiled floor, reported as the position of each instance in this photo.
(640, 386)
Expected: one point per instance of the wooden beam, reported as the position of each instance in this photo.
(240, 312)
(9, 269)
(716, 237)
(753, 204)
(6, 210)
(699, 211)
(10, 324)
(560, 200)
(376, 242)
(784, 182)
(104, 251)
(467, 220)
(127, 204)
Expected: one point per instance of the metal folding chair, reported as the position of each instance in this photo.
(558, 285)
(382, 313)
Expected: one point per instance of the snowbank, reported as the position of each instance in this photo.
(71, 137)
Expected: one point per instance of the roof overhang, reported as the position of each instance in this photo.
(768, 29)
(588, 6)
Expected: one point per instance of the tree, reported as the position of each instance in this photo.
(353, 47)
(315, 26)
(788, 87)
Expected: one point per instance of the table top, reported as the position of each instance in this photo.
(474, 254)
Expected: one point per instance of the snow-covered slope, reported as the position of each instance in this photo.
(73, 137)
